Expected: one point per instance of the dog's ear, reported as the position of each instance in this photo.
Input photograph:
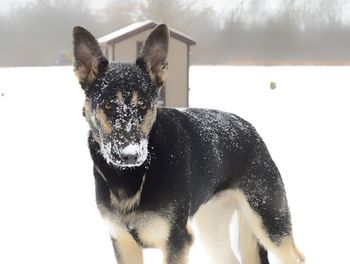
(153, 55)
(89, 61)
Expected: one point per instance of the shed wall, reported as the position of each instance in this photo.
(177, 86)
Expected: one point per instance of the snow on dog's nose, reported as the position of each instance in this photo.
(134, 154)
(131, 155)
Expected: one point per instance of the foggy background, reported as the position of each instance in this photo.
(236, 32)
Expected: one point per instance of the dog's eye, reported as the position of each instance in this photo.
(108, 106)
(143, 106)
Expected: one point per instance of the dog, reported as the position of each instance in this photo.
(157, 168)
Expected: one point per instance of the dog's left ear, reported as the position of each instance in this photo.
(89, 61)
(153, 55)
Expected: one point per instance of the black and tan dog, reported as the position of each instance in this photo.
(157, 168)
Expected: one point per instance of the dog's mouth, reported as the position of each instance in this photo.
(132, 155)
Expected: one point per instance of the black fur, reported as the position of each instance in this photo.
(193, 155)
(185, 169)
(263, 255)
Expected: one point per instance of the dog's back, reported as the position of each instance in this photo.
(212, 149)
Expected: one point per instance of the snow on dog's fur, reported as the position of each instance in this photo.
(156, 168)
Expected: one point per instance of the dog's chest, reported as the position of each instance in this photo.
(148, 229)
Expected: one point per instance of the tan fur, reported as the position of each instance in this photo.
(190, 230)
(87, 111)
(152, 230)
(134, 98)
(128, 249)
(159, 74)
(125, 203)
(105, 124)
(87, 107)
(81, 73)
(286, 251)
(148, 120)
(120, 98)
(100, 173)
(89, 118)
(247, 243)
(213, 220)
(155, 231)
(151, 74)
(163, 73)
(130, 252)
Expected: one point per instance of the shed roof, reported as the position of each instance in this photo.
(139, 27)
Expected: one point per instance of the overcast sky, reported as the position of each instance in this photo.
(96, 4)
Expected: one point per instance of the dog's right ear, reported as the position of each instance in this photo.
(153, 55)
(89, 61)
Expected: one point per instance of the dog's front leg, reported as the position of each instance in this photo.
(178, 246)
(127, 251)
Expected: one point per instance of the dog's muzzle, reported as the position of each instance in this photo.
(132, 155)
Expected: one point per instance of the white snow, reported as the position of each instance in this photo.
(48, 212)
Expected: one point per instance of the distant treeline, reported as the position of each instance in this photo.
(250, 33)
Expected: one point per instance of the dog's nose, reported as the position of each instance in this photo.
(129, 157)
(130, 154)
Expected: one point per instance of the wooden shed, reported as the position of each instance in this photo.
(124, 45)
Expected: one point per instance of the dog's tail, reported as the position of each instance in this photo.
(251, 250)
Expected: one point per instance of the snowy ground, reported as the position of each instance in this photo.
(48, 214)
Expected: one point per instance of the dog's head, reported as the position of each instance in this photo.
(121, 98)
